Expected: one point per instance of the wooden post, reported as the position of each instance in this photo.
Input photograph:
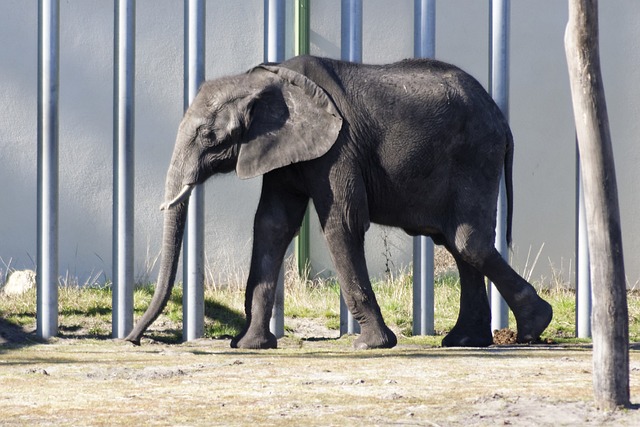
(610, 319)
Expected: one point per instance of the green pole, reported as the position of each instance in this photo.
(301, 28)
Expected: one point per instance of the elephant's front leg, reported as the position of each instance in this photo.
(347, 251)
(345, 220)
(277, 219)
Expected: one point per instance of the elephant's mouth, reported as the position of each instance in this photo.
(183, 195)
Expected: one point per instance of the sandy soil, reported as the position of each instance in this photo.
(312, 379)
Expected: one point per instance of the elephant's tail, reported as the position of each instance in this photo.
(508, 180)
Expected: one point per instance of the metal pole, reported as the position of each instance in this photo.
(424, 46)
(274, 24)
(499, 89)
(424, 28)
(48, 89)
(351, 30)
(351, 50)
(123, 165)
(583, 273)
(274, 12)
(301, 28)
(193, 245)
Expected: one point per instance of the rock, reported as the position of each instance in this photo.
(19, 282)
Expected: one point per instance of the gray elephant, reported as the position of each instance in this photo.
(417, 144)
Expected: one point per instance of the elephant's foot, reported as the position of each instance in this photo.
(257, 341)
(467, 337)
(532, 320)
(375, 338)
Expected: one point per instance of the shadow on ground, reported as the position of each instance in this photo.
(14, 336)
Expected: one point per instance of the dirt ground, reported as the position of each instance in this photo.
(312, 379)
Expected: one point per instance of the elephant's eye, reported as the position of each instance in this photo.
(207, 136)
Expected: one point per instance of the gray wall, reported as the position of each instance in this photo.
(540, 114)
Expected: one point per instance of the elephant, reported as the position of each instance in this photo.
(417, 144)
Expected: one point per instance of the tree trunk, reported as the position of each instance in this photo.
(610, 317)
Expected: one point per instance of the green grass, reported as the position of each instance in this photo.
(87, 311)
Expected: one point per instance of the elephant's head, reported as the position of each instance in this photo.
(253, 123)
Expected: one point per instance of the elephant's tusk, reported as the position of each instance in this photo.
(181, 197)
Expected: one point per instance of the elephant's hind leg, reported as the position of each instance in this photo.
(532, 313)
(473, 327)
(277, 220)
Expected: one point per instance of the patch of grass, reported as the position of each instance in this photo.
(317, 299)
(19, 309)
(221, 320)
(563, 324)
(396, 301)
(86, 311)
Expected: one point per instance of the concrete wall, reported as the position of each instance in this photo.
(540, 114)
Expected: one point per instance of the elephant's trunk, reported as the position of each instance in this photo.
(175, 214)
(173, 230)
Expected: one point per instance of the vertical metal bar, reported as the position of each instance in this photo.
(351, 30)
(301, 47)
(123, 165)
(499, 89)
(274, 11)
(351, 50)
(48, 90)
(583, 272)
(423, 290)
(274, 25)
(302, 26)
(193, 245)
(424, 46)
(424, 28)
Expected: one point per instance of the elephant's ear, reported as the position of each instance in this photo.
(292, 120)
